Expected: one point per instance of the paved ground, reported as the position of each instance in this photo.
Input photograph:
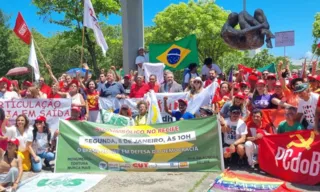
(165, 182)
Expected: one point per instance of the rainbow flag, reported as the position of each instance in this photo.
(230, 181)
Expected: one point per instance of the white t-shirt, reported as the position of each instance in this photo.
(10, 95)
(187, 77)
(239, 128)
(13, 133)
(41, 144)
(205, 70)
(140, 59)
(308, 108)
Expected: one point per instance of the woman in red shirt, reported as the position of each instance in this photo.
(54, 91)
(92, 100)
(153, 83)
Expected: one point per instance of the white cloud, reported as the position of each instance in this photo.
(308, 55)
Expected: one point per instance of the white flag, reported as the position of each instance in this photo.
(154, 115)
(34, 62)
(90, 20)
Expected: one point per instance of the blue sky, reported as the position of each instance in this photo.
(283, 15)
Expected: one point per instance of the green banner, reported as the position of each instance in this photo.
(271, 68)
(175, 55)
(115, 119)
(187, 145)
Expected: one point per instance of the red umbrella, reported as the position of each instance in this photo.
(18, 71)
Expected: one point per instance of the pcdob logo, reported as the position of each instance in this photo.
(291, 160)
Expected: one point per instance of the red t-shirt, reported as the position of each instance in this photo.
(154, 87)
(3, 143)
(45, 89)
(54, 96)
(253, 130)
(138, 91)
(93, 100)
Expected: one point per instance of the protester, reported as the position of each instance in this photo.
(265, 74)
(25, 86)
(32, 93)
(153, 85)
(314, 81)
(126, 111)
(127, 84)
(182, 113)
(15, 87)
(260, 98)
(234, 131)
(19, 131)
(43, 87)
(221, 96)
(3, 138)
(209, 65)
(10, 167)
(190, 85)
(102, 82)
(307, 104)
(75, 114)
(140, 59)
(5, 92)
(271, 81)
(192, 73)
(139, 88)
(197, 87)
(290, 124)
(238, 100)
(54, 91)
(256, 130)
(39, 142)
(142, 118)
(211, 79)
(205, 111)
(92, 100)
(170, 86)
(112, 88)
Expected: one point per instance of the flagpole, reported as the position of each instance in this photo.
(82, 48)
(45, 62)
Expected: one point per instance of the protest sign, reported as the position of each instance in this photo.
(52, 109)
(188, 145)
(114, 119)
(58, 182)
(292, 156)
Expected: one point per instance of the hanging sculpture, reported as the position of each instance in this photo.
(252, 33)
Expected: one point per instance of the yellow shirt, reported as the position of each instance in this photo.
(141, 119)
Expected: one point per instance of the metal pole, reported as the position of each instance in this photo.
(244, 5)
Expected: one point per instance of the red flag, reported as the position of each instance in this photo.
(292, 156)
(21, 29)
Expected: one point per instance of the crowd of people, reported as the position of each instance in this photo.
(238, 104)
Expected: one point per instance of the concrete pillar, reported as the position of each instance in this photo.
(132, 31)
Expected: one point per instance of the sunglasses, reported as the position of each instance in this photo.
(236, 112)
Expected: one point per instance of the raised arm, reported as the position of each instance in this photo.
(54, 79)
(166, 109)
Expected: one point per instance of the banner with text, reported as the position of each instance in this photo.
(293, 156)
(115, 119)
(189, 145)
(52, 109)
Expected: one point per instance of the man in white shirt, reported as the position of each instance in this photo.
(140, 59)
(307, 104)
(4, 90)
(234, 131)
(208, 65)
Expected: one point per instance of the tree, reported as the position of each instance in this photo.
(5, 54)
(316, 33)
(204, 19)
(72, 11)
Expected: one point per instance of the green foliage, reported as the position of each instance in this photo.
(316, 32)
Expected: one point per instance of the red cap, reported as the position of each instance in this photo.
(74, 81)
(245, 83)
(240, 95)
(127, 76)
(41, 118)
(183, 101)
(272, 75)
(253, 78)
(236, 86)
(3, 79)
(15, 83)
(27, 83)
(261, 81)
(277, 83)
(76, 109)
(318, 77)
(14, 141)
(312, 77)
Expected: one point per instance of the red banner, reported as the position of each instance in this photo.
(293, 156)
(21, 29)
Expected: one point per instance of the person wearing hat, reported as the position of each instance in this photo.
(260, 98)
(182, 113)
(192, 73)
(39, 143)
(257, 128)
(307, 104)
(314, 81)
(5, 92)
(127, 84)
(196, 88)
(271, 80)
(140, 59)
(265, 74)
(75, 114)
(205, 111)
(239, 100)
(10, 166)
(234, 135)
(278, 98)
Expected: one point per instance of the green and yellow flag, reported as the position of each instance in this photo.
(175, 55)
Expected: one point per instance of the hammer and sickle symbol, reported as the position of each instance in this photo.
(303, 143)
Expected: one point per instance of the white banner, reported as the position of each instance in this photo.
(52, 109)
(60, 182)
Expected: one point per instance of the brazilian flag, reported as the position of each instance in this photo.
(175, 55)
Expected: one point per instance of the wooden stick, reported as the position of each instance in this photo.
(82, 48)
(45, 62)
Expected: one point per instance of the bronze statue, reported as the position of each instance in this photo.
(252, 31)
